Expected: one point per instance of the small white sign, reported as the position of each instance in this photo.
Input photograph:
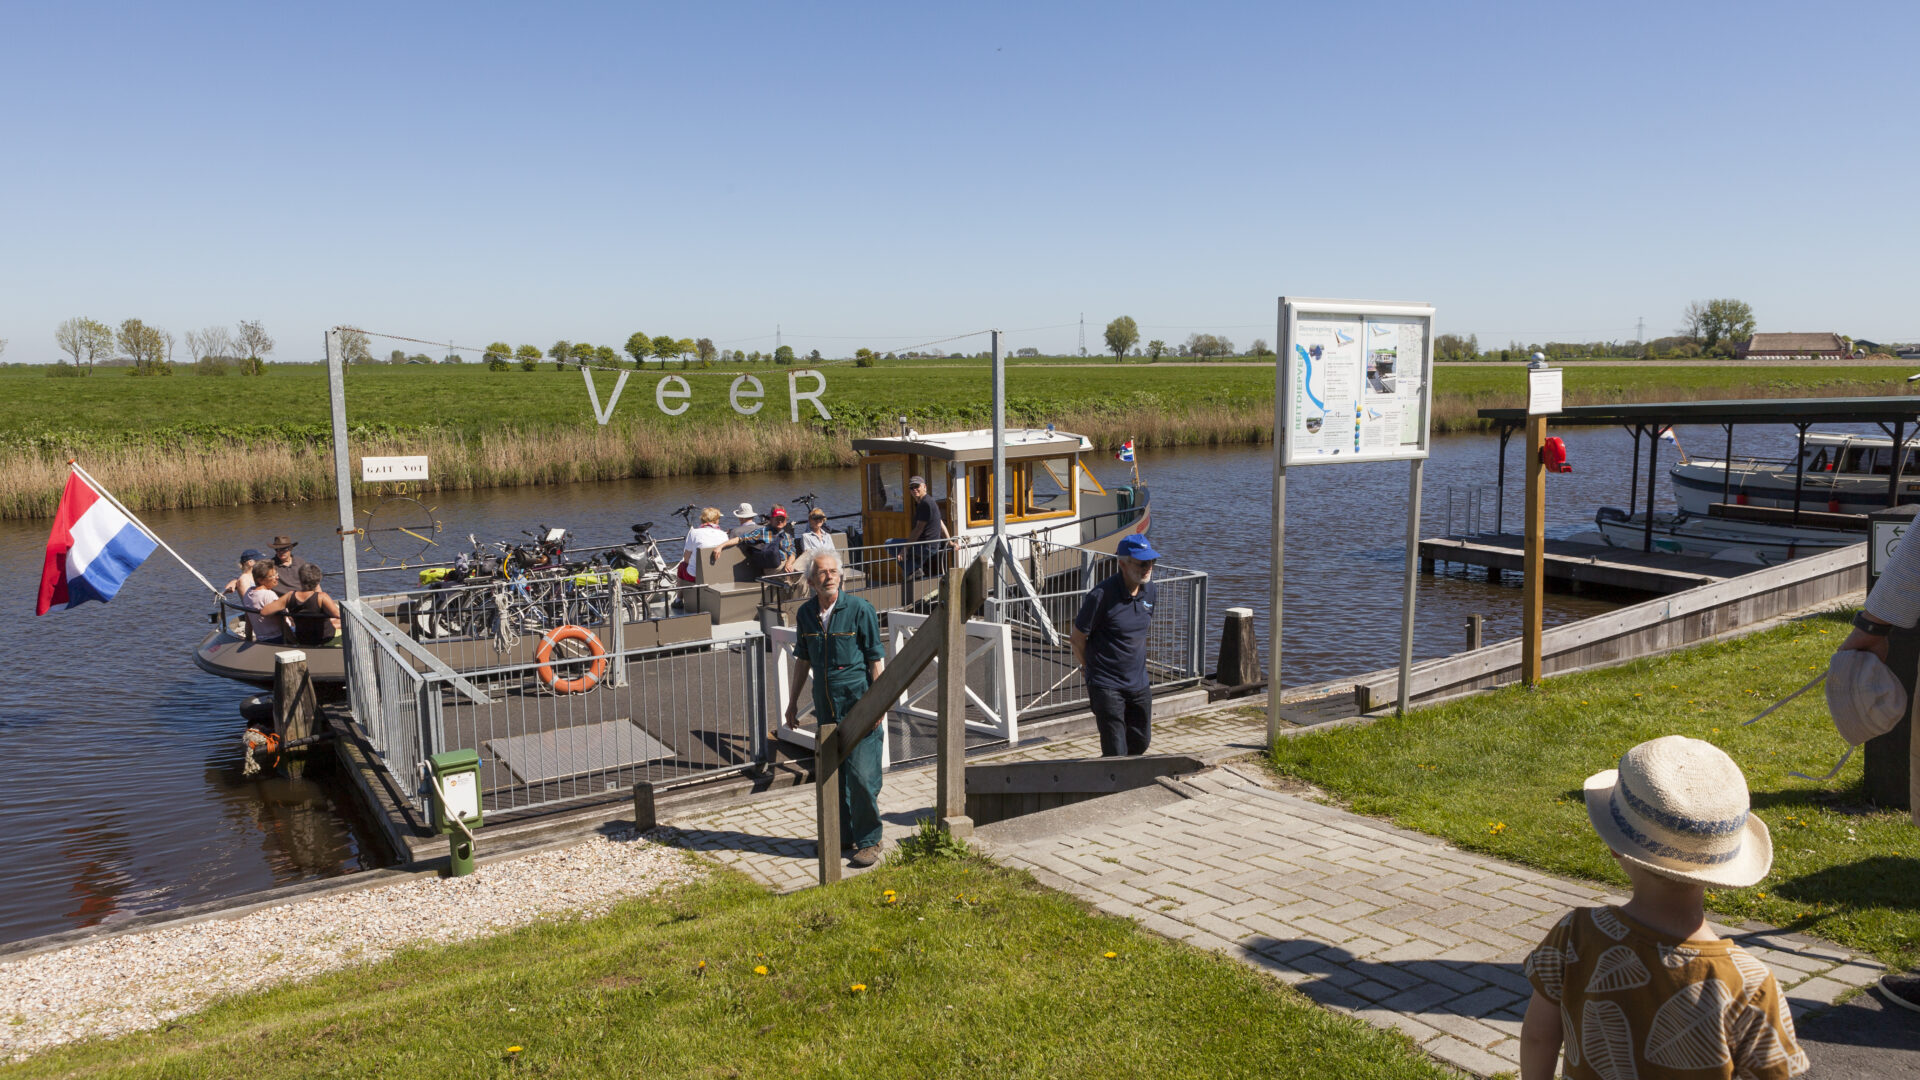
(393, 468)
(463, 795)
(1543, 391)
(1886, 537)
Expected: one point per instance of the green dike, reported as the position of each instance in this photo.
(973, 971)
(290, 401)
(1502, 774)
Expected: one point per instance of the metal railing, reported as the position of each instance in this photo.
(594, 726)
(1472, 507)
(1046, 680)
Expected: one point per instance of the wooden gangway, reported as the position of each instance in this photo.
(1583, 564)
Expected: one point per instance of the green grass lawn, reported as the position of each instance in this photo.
(1502, 774)
(292, 399)
(972, 972)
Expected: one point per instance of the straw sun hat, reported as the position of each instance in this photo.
(1678, 807)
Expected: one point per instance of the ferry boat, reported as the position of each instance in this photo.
(1843, 474)
(1051, 496)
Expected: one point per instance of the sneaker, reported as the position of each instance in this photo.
(1902, 990)
(867, 856)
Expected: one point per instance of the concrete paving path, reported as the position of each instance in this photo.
(1389, 925)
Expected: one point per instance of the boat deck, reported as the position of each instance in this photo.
(1582, 564)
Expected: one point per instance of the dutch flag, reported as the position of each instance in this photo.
(94, 546)
(1126, 451)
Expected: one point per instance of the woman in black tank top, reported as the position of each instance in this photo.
(313, 615)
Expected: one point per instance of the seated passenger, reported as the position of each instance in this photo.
(267, 629)
(817, 537)
(242, 582)
(768, 548)
(707, 534)
(314, 616)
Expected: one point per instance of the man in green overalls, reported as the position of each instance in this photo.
(839, 642)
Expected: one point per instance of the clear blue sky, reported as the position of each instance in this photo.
(887, 174)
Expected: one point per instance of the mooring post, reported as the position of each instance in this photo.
(1239, 661)
(950, 796)
(1473, 632)
(293, 701)
(1534, 563)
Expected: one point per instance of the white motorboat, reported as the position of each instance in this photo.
(1751, 542)
(1843, 474)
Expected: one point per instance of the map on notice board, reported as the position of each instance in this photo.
(1355, 385)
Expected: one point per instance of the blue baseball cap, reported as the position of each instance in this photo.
(1135, 546)
(253, 555)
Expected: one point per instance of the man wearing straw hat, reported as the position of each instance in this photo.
(1647, 989)
(286, 564)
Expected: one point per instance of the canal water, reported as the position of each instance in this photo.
(120, 759)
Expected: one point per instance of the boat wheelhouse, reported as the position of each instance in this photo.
(1050, 494)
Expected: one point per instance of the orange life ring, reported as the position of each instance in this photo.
(586, 681)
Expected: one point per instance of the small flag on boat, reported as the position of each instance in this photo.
(1126, 451)
(1667, 434)
(92, 549)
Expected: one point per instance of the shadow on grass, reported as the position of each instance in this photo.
(1879, 881)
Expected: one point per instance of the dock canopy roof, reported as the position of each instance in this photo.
(978, 445)
(1836, 410)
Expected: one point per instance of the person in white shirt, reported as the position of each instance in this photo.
(707, 534)
(816, 537)
(267, 629)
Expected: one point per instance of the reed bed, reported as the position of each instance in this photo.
(228, 472)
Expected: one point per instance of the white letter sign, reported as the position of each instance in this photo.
(594, 395)
(736, 392)
(794, 395)
(661, 394)
(374, 469)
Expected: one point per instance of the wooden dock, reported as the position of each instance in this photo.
(1583, 564)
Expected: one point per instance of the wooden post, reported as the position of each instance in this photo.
(826, 797)
(1473, 632)
(950, 780)
(293, 703)
(1533, 563)
(1239, 661)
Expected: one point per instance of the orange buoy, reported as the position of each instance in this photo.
(586, 680)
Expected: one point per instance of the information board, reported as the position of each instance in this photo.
(1355, 381)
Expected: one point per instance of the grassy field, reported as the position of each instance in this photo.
(970, 971)
(193, 440)
(1502, 774)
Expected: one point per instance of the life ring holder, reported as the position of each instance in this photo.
(588, 679)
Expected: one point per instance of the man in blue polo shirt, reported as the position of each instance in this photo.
(1110, 644)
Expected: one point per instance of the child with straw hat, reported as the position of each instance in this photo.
(1648, 990)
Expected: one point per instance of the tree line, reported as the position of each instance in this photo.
(149, 350)
(1124, 334)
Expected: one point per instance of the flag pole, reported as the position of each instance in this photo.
(141, 525)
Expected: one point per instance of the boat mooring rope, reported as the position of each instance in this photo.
(1764, 713)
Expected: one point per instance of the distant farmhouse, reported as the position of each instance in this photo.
(1793, 347)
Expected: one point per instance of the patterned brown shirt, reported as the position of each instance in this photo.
(1638, 1005)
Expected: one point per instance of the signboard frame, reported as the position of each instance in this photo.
(1292, 309)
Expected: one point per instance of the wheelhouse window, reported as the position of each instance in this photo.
(886, 485)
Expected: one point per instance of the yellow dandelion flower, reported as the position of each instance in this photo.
(858, 988)
(1112, 955)
(760, 969)
(513, 1049)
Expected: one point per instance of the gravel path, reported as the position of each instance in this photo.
(142, 980)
